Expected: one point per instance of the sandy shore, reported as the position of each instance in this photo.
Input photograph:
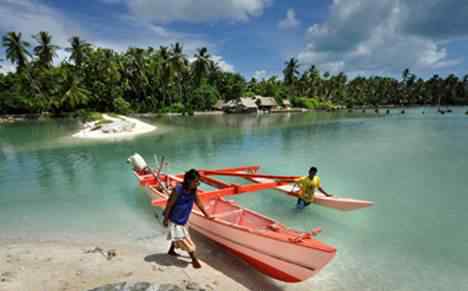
(49, 266)
(77, 266)
(140, 127)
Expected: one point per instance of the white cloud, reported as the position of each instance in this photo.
(163, 11)
(371, 36)
(30, 17)
(225, 67)
(62, 55)
(437, 19)
(150, 35)
(7, 67)
(290, 21)
(260, 75)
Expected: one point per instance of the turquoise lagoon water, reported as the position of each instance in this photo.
(414, 166)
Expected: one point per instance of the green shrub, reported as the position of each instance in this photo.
(177, 108)
(326, 105)
(304, 102)
(204, 97)
(87, 116)
(121, 106)
(313, 103)
(297, 102)
(249, 94)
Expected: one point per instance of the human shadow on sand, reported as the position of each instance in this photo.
(215, 256)
(218, 258)
(167, 260)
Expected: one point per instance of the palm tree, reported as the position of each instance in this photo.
(435, 89)
(405, 75)
(178, 63)
(16, 49)
(165, 71)
(177, 57)
(465, 87)
(214, 72)
(134, 70)
(291, 71)
(450, 89)
(45, 50)
(313, 82)
(74, 95)
(201, 65)
(79, 48)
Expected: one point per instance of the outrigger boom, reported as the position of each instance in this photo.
(262, 182)
(272, 248)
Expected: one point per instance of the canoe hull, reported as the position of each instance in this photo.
(282, 261)
(267, 251)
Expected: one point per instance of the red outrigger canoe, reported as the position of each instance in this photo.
(284, 254)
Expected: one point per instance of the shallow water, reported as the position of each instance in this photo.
(413, 166)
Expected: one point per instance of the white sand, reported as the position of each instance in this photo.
(71, 266)
(140, 128)
(50, 266)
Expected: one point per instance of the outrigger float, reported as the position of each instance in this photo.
(282, 253)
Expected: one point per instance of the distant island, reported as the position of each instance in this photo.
(161, 80)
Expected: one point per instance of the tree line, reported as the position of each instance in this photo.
(164, 79)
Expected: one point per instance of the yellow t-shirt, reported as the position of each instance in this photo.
(308, 187)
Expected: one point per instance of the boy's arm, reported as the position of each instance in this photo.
(324, 192)
(202, 207)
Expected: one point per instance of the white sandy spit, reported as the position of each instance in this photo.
(119, 128)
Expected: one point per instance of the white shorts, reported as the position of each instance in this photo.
(177, 232)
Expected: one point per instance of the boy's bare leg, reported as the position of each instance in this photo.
(195, 262)
(171, 251)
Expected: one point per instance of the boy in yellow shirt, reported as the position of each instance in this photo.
(307, 186)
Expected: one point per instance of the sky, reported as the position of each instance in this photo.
(256, 37)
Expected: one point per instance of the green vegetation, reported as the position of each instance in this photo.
(164, 80)
(313, 103)
(87, 116)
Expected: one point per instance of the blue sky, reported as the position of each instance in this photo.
(256, 37)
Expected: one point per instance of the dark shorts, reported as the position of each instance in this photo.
(301, 203)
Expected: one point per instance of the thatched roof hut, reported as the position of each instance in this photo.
(266, 103)
(243, 104)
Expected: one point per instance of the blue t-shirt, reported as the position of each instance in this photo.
(182, 208)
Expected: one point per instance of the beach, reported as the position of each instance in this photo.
(73, 266)
(138, 127)
(52, 265)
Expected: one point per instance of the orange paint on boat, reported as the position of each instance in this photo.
(265, 244)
